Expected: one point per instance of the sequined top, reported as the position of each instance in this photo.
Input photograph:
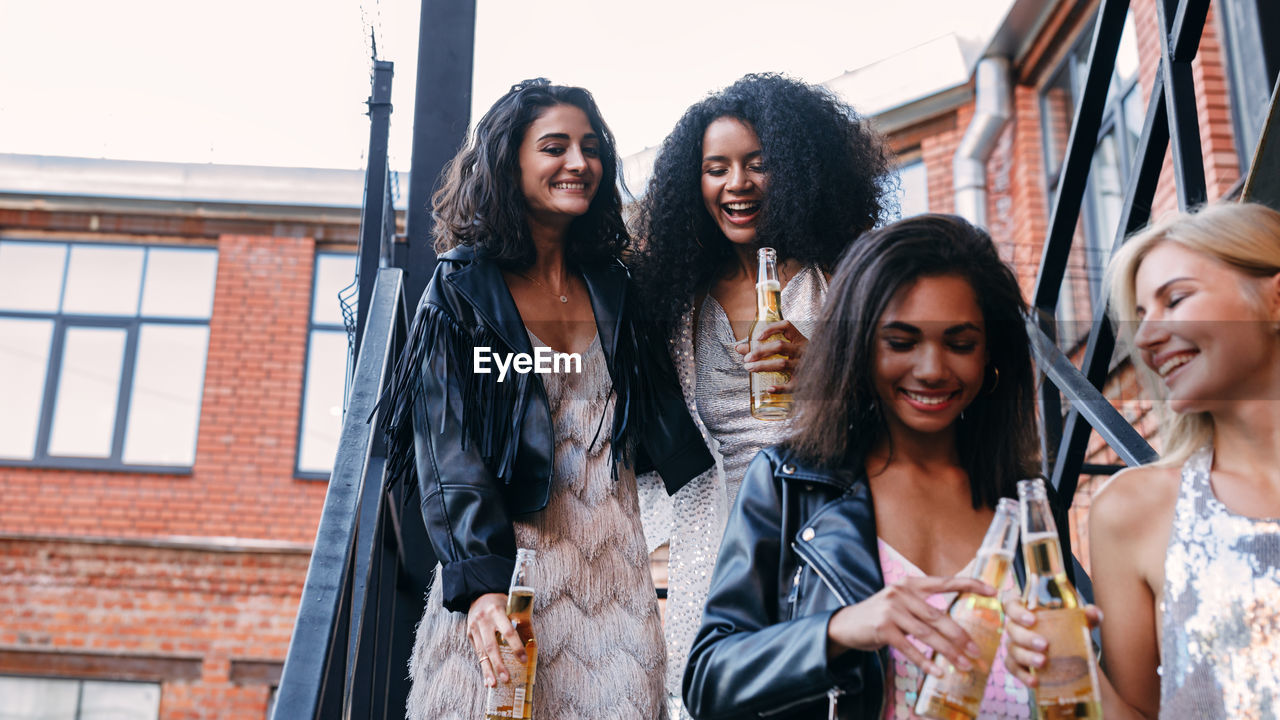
(721, 390)
(1005, 696)
(1220, 616)
(693, 520)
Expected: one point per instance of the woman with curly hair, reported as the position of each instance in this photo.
(529, 227)
(768, 161)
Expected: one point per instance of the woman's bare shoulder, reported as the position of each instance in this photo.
(1126, 503)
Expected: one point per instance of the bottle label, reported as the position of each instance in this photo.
(507, 700)
(1069, 675)
(964, 688)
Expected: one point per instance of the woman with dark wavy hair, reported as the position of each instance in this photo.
(529, 227)
(768, 161)
(916, 416)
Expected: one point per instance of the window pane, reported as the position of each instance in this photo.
(168, 379)
(24, 362)
(913, 198)
(37, 699)
(1107, 190)
(84, 415)
(31, 275)
(103, 280)
(120, 701)
(322, 400)
(1057, 109)
(179, 283)
(333, 273)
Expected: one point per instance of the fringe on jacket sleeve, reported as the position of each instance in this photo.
(490, 412)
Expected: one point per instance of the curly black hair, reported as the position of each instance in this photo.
(479, 202)
(840, 416)
(828, 171)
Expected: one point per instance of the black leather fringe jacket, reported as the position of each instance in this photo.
(482, 449)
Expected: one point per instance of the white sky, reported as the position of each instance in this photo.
(283, 82)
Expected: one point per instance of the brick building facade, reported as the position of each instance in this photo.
(182, 581)
(183, 577)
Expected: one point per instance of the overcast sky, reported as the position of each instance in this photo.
(283, 82)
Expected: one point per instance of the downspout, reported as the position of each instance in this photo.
(992, 108)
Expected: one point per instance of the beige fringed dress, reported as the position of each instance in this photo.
(600, 646)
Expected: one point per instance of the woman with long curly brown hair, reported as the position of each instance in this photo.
(768, 161)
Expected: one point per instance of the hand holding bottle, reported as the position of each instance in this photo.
(902, 609)
(1027, 648)
(778, 347)
(487, 621)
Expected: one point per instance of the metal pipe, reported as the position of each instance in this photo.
(993, 106)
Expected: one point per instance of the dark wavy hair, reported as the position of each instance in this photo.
(479, 202)
(828, 176)
(839, 416)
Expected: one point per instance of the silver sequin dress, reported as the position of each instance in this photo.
(600, 649)
(715, 385)
(1220, 616)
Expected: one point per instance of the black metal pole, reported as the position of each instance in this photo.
(441, 114)
(372, 220)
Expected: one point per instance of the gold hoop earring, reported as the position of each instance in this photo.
(995, 382)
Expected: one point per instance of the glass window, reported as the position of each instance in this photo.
(84, 415)
(24, 359)
(1250, 32)
(103, 280)
(324, 389)
(164, 409)
(31, 275)
(102, 352)
(913, 192)
(28, 698)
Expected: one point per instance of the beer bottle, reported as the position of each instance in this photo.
(1067, 685)
(957, 695)
(767, 405)
(514, 699)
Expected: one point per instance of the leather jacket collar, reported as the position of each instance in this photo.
(482, 285)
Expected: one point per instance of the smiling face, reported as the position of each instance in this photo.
(733, 178)
(930, 354)
(560, 165)
(1202, 328)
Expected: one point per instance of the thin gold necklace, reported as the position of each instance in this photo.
(563, 298)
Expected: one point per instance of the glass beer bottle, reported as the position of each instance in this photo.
(514, 699)
(767, 405)
(1067, 685)
(957, 695)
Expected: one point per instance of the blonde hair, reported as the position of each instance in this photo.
(1243, 236)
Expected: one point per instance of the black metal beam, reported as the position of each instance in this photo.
(1068, 462)
(441, 114)
(1079, 156)
(1263, 183)
(373, 209)
(314, 674)
(1088, 401)
(1180, 95)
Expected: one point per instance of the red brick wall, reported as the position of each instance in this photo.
(242, 484)
(211, 612)
(198, 607)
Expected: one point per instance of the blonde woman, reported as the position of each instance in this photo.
(1186, 551)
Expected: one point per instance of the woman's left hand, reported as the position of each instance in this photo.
(790, 347)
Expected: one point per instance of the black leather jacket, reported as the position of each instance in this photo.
(483, 449)
(799, 545)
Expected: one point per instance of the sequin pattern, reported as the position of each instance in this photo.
(1220, 615)
(1005, 698)
(693, 520)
